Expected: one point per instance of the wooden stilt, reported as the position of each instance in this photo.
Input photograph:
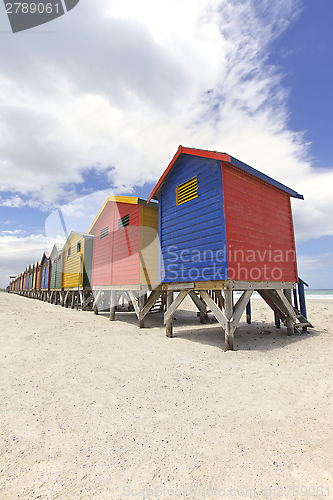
(149, 303)
(228, 311)
(200, 305)
(248, 313)
(113, 305)
(169, 323)
(142, 301)
(73, 300)
(290, 322)
(95, 308)
(134, 303)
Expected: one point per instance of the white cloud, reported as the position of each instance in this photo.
(17, 202)
(15, 232)
(318, 269)
(121, 84)
(16, 253)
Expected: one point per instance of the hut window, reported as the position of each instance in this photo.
(104, 232)
(78, 247)
(187, 191)
(69, 251)
(123, 222)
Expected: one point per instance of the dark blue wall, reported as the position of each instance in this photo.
(45, 274)
(193, 235)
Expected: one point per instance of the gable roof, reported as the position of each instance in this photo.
(46, 255)
(85, 236)
(223, 157)
(119, 199)
(56, 250)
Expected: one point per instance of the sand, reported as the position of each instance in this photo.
(93, 409)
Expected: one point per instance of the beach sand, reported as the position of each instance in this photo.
(93, 409)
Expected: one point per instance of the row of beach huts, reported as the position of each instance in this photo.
(212, 226)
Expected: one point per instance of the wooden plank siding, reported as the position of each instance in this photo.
(58, 271)
(46, 271)
(73, 261)
(259, 228)
(126, 246)
(31, 276)
(56, 268)
(149, 245)
(116, 256)
(35, 276)
(54, 264)
(103, 248)
(192, 234)
(39, 275)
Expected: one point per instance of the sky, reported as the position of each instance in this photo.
(97, 102)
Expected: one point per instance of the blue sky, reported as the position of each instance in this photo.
(100, 103)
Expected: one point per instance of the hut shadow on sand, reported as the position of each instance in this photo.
(259, 336)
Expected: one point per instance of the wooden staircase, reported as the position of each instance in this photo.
(302, 322)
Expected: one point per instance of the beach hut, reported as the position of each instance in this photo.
(31, 279)
(77, 257)
(56, 274)
(45, 266)
(16, 284)
(34, 281)
(225, 226)
(125, 259)
(38, 280)
(26, 281)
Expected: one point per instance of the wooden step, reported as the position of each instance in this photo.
(303, 325)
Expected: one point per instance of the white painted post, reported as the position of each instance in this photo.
(228, 311)
(113, 305)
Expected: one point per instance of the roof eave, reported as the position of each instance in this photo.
(223, 157)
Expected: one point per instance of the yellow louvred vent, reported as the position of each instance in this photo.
(187, 191)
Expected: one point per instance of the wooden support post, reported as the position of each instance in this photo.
(87, 297)
(66, 299)
(169, 323)
(290, 322)
(73, 300)
(295, 298)
(149, 303)
(95, 308)
(301, 296)
(134, 303)
(198, 301)
(113, 305)
(277, 320)
(228, 311)
(142, 301)
(248, 313)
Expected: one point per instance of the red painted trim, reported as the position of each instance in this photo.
(207, 154)
(188, 151)
(293, 238)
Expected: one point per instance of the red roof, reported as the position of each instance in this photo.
(223, 157)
